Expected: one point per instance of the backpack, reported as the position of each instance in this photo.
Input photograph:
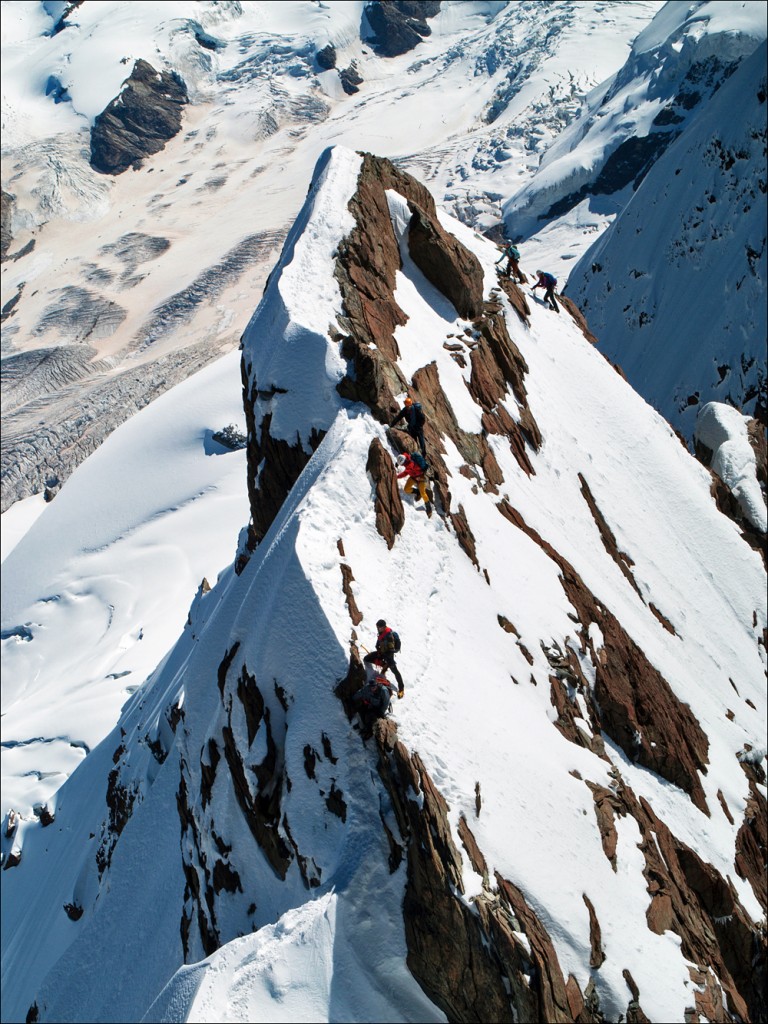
(391, 644)
(420, 461)
(551, 280)
(418, 415)
(513, 252)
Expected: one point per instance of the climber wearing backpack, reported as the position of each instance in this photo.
(512, 255)
(415, 468)
(548, 282)
(413, 415)
(387, 645)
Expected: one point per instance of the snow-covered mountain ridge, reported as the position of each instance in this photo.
(560, 821)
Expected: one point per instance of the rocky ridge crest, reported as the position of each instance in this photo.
(629, 700)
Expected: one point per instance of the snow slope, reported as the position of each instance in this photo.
(676, 289)
(327, 941)
(99, 585)
(675, 66)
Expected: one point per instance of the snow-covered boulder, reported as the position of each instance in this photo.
(722, 442)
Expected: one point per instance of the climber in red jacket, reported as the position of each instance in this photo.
(415, 468)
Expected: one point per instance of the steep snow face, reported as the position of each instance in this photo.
(676, 289)
(298, 316)
(675, 66)
(301, 850)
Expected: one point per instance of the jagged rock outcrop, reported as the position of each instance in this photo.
(368, 261)
(257, 784)
(120, 797)
(621, 558)
(516, 296)
(365, 270)
(497, 364)
(494, 959)
(752, 839)
(578, 316)
(348, 579)
(399, 25)
(139, 121)
(390, 514)
(351, 79)
(691, 898)
(241, 771)
(446, 263)
(326, 57)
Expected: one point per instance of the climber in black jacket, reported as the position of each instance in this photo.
(413, 415)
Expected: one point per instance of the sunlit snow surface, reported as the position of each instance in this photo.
(675, 289)
(471, 710)
(99, 586)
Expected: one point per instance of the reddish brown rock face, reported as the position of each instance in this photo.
(446, 263)
(347, 580)
(579, 318)
(369, 259)
(390, 515)
(366, 267)
(752, 839)
(517, 298)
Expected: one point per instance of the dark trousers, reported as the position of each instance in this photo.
(550, 294)
(389, 661)
(418, 436)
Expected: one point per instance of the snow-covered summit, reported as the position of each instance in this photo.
(555, 821)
